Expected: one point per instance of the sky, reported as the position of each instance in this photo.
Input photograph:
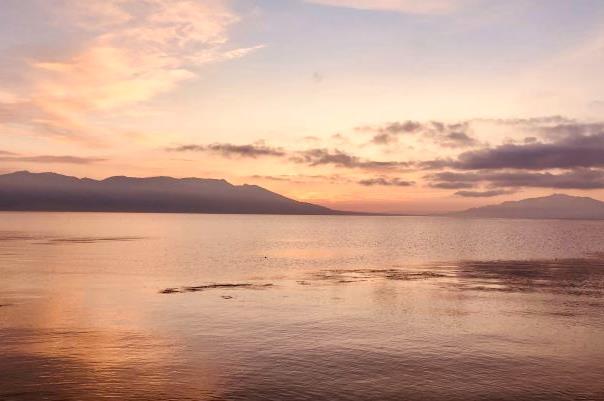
(368, 105)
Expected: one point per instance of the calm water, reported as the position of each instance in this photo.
(204, 307)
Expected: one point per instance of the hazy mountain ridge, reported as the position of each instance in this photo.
(556, 206)
(27, 191)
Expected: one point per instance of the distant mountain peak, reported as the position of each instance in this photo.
(554, 206)
(23, 190)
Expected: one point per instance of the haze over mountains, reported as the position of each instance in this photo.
(25, 191)
(556, 206)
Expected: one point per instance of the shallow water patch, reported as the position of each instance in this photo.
(206, 287)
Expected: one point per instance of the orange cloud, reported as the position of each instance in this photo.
(134, 51)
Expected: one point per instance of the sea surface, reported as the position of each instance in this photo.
(247, 307)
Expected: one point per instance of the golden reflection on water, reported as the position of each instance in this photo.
(85, 318)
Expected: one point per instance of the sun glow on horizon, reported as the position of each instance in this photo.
(393, 106)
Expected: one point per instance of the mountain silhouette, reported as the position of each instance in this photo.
(25, 191)
(556, 206)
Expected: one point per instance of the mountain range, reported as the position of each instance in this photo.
(25, 191)
(556, 206)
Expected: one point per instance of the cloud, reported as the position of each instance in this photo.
(126, 52)
(388, 133)
(141, 50)
(452, 185)
(396, 127)
(443, 134)
(597, 104)
(229, 150)
(570, 152)
(457, 140)
(386, 181)
(39, 119)
(317, 77)
(52, 159)
(562, 131)
(533, 121)
(575, 179)
(318, 157)
(384, 139)
(312, 157)
(402, 6)
(294, 179)
(271, 178)
(483, 194)
(303, 178)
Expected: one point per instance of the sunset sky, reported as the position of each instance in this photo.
(374, 105)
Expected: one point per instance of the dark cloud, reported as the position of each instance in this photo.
(318, 157)
(483, 194)
(311, 157)
(568, 130)
(436, 164)
(457, 139)
(6, 153)
(567, 153)
(574, 179)
(450, 135)
(229, 150)
(388, 133)
(52, 159)
(384, 139)
(444, 134)
(450, 176)
(452, 185)
(386, 181)
(396, 127)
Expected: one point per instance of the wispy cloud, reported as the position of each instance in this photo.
(311, 157)
(484, 194)
(529, 122)
(272, 178)
(130, 52)
(402, 6)
(447, 135)
(457, 139)
(338, 158)
(229, 150)
(386, 181)
(49, 159)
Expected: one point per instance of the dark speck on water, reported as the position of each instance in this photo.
(198, 288)
(169, 291)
